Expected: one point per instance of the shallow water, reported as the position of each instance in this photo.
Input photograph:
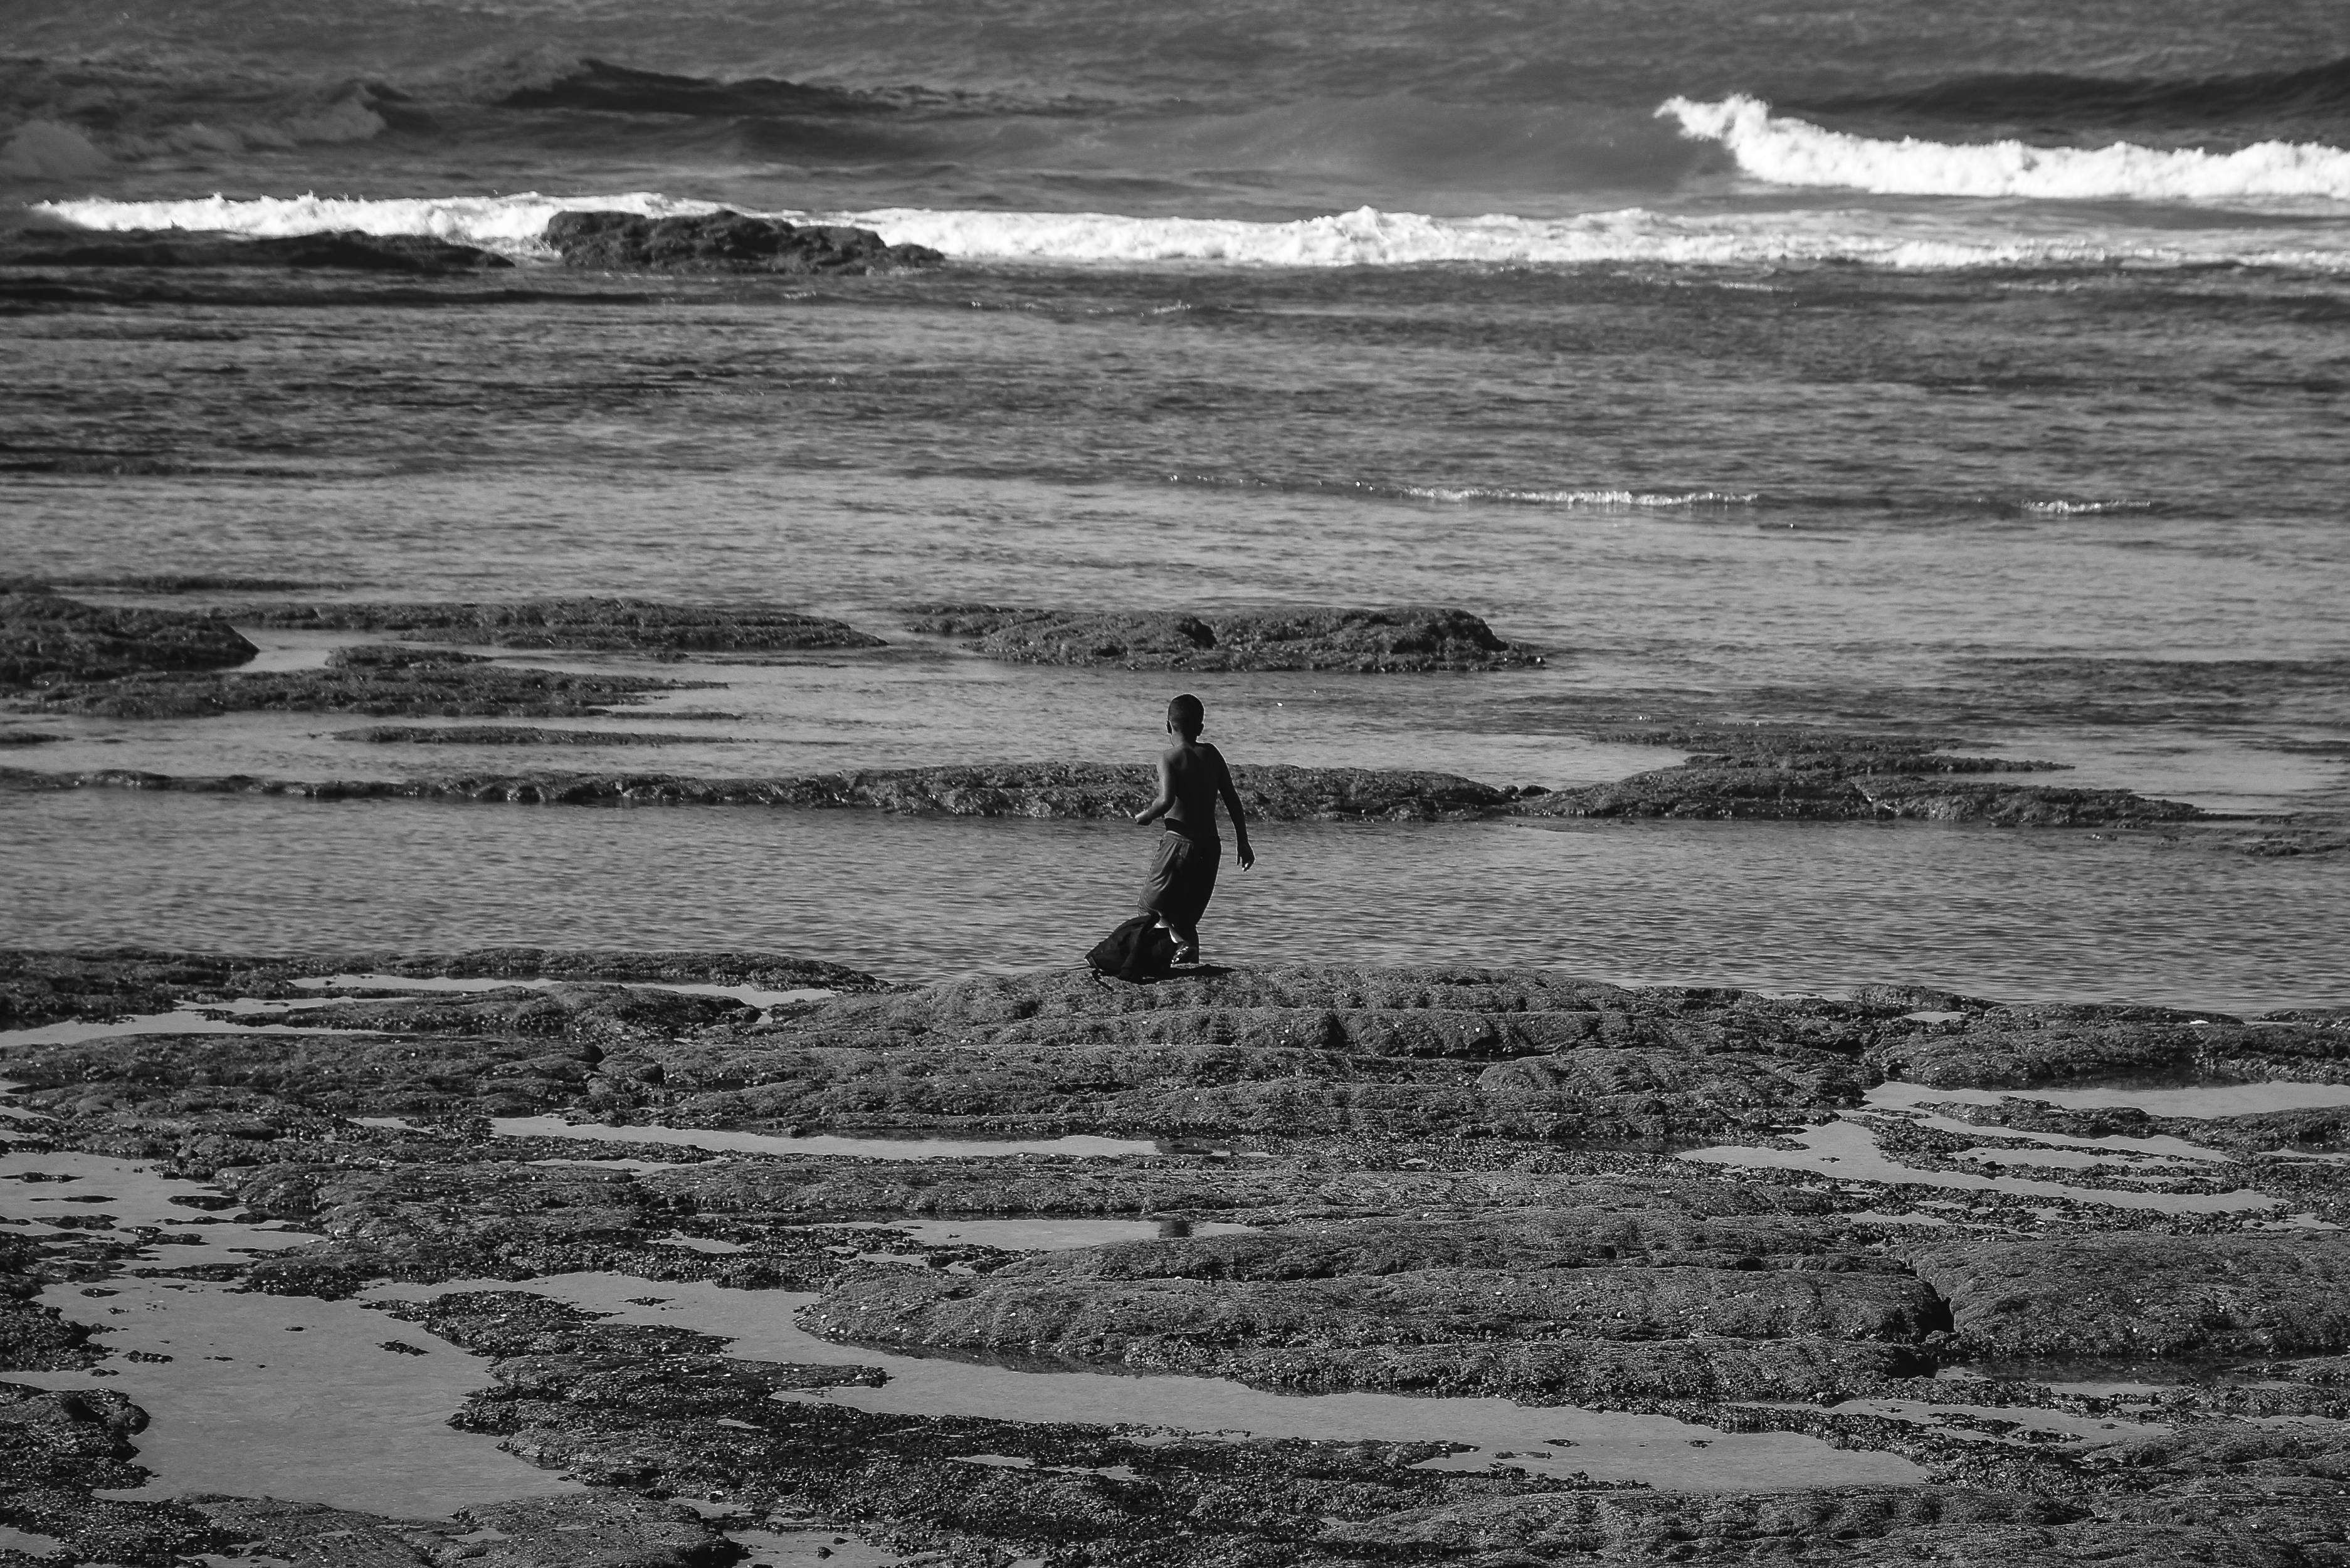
(259, 1394)
(1847, 1148)
(2202, 1100)
(1605, 1445)
(1775, 906)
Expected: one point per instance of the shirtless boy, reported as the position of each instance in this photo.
(1191, 776)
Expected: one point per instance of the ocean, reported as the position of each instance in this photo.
(1965, 373)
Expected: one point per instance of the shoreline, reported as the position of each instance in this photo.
(1469, 1193)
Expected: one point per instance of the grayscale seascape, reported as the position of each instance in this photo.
(587, 596)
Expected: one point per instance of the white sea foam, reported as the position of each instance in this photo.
(1365, 237)
(1780, 151)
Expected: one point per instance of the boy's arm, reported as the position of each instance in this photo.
(1166, 801)
(1232, 809)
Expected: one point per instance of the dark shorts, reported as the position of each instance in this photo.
(1182, 878)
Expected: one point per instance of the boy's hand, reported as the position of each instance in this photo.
(1248, 855)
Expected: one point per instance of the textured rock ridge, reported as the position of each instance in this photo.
(343, 250)
(726, 242)
(629, 625)
(48, 639)
(1307, 638)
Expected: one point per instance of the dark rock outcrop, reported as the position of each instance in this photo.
(1800, 774)
(612, 625)
(726, 242)
(345, 250)
(2147, 1296)
(1811, 795)
(40, 986)
(383, 681)
(48, 639)
(1065, 790)
(1306, 638)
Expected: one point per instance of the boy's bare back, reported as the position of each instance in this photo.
(1192, 773)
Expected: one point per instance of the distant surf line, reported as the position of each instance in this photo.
(1365, 237)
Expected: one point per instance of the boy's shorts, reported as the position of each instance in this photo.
(1182, 878)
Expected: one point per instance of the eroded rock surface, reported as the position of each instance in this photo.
(1080, 790)
(345, 250)
(364, 680)
(1382, 640)
(48, 639)
(1458, 1181)
(611, 625)
(726, 242)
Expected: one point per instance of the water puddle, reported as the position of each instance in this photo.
(179, 1021)
(2003, 1423)
(1054, 1235)
(249, 1394)
(1847, 1150)
(1083, 1146)
(30, 1544)
(1559, 1440)
(2202, 1102)
(263, 1395)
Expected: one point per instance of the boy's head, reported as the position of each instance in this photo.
(1185, 716)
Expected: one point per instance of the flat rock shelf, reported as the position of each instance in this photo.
(531, 1256)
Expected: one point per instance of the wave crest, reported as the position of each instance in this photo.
(511, 225)
(1780, 150)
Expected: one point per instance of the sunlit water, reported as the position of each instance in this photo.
(2004, 913)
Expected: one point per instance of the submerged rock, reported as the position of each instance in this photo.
(48, 639)
(1382, 640)
(726, 242)
(346, 250)
(365, 679)
(621, 625)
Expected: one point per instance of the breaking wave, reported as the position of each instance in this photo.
(511, 225)
(1780, 151)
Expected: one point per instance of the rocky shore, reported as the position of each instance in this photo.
(340, 251)
(1455, 1182)
(1371, 641)
(726, 242)
(1104, 791)
(606, 625)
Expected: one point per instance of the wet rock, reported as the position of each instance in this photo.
(341, 250)
(613, 625)
(39, 986)
(1306, 637)
(2148, 1295)
(1631, 1526)
(2022, 1047)
(367, 680)
(598, 1531)
(1190, 1326)
(1523, 1239)
(57, 1448)
(1080, 790)
(514, 735)
(1809, 750)
(1769, 794)
(726, 242)
(34, 1338)
(1287, 1050)
(47, 639)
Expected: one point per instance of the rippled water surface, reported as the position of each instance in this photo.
(2004, 913)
